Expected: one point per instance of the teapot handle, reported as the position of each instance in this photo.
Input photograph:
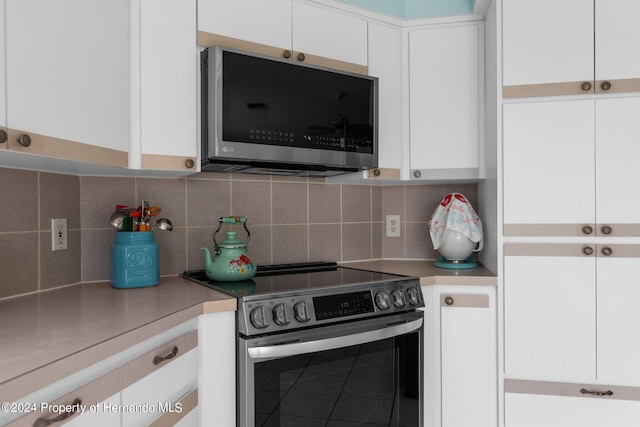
(230, 220)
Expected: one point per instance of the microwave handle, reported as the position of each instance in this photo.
(286, 350)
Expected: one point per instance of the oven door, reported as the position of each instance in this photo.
(363, 373)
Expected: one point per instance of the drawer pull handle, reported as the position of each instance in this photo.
(587, 229)
(587, 250)
(42, 422)
(607, 230)
(596, 393)
(605, 85)
(159, 359)
(3, 136)
(586, 86)
(449, 301)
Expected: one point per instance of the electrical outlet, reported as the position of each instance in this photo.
(59, 234)
(393, 225)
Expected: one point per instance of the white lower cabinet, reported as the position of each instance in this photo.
(570, 312)
(98, 418)
(566, 405)
(460, 356)
(153, 383)
(217, 382)
(167, 375)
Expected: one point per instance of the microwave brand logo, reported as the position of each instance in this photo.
(227, 149)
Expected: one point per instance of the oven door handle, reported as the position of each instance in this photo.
(286, 350)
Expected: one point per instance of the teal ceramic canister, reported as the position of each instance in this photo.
(134, 260)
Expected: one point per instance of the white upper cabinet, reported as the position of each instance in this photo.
(266, 22)
(102, 82)
(446, 98)
(326, 33)
(3, 81)
(549, 47)
(549, 164)
(547, 41)
(563, 163)
(618, 43)
(285, 28)
(385, 63)
(168, 88)
(67, 76)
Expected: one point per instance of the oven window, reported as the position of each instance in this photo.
(374, 384)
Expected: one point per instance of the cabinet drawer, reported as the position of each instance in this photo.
(84, 398)
(157, 381)
(158, 358)
(531, 403)
(179, 413)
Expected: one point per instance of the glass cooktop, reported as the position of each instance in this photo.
(275, 279)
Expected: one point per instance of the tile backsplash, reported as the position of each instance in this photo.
(290, 220)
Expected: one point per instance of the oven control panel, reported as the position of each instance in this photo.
(298, 310)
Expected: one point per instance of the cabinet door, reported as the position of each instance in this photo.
(550, 312)
(67, 71)
(266, 22)
(3, 81)
(385, 62)
(547, 42)
(88, 405)
(160, 379)
(168, 134)
(617, 44)
(617, 152)
(445, 96)
(217, 380)
(548, 167)
(618, 315)
(468, 360)
(529, 410)
(102, 417)
(318, 31)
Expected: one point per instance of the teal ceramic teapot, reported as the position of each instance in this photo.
(230, 262)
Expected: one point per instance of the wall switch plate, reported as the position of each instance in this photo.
(393, 225)
(59, 234)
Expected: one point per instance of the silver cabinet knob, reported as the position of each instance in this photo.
(607, 251)
(587, 250)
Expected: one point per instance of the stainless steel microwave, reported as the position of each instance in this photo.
(275, 116)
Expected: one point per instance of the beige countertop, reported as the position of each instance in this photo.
(428, 273)
(49, 335)
(52, 334)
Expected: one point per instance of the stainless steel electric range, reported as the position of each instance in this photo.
(321, 343)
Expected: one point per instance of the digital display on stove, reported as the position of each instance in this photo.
(333, 306)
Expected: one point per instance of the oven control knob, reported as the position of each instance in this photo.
(259, 317)
(300, 312)
(383, 301)
(413, 296)
(398, 298)
(281, 314)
